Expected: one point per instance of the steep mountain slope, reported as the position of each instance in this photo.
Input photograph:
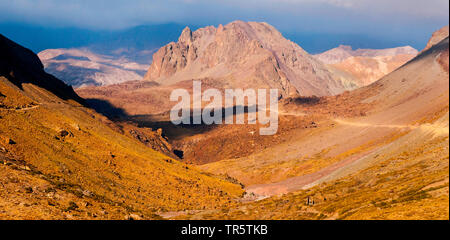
(82, 67)
(61, 160)
(391, 162)
(22, 66)
(367, 65)
(245, 55)
(437, 37)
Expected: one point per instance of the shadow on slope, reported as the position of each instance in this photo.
(174, 132)
(107, 109)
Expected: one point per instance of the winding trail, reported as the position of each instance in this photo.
(435, 128)
(20, 109)
(438, 129)
(309, 180)
(360, 124)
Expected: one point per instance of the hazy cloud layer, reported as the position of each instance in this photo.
(123, 13)
(383, 18)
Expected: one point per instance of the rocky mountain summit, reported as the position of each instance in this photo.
(245, 55)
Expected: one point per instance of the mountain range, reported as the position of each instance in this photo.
(347, 147)
(82, 67)
(367, 65)
(342, 53)
(117, 55)
(245, 55)
(121, 55)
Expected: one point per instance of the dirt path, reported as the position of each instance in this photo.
(302, 182)
(437, 129)
(299, 182)
(360, 124)
(441, 130)
(20, 109)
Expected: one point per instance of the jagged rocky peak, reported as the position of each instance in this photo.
(245, 55)
(186, 36)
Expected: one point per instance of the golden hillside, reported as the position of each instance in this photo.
(62, 160)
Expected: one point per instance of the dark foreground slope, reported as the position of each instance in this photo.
(21, 65)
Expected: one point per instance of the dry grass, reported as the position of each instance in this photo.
(409, 181)
(75, 151)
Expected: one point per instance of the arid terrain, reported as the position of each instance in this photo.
(363, 134)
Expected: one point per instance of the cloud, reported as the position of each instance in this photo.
(385, 19)
(123, 13)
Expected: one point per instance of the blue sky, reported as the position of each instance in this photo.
(398, 21)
